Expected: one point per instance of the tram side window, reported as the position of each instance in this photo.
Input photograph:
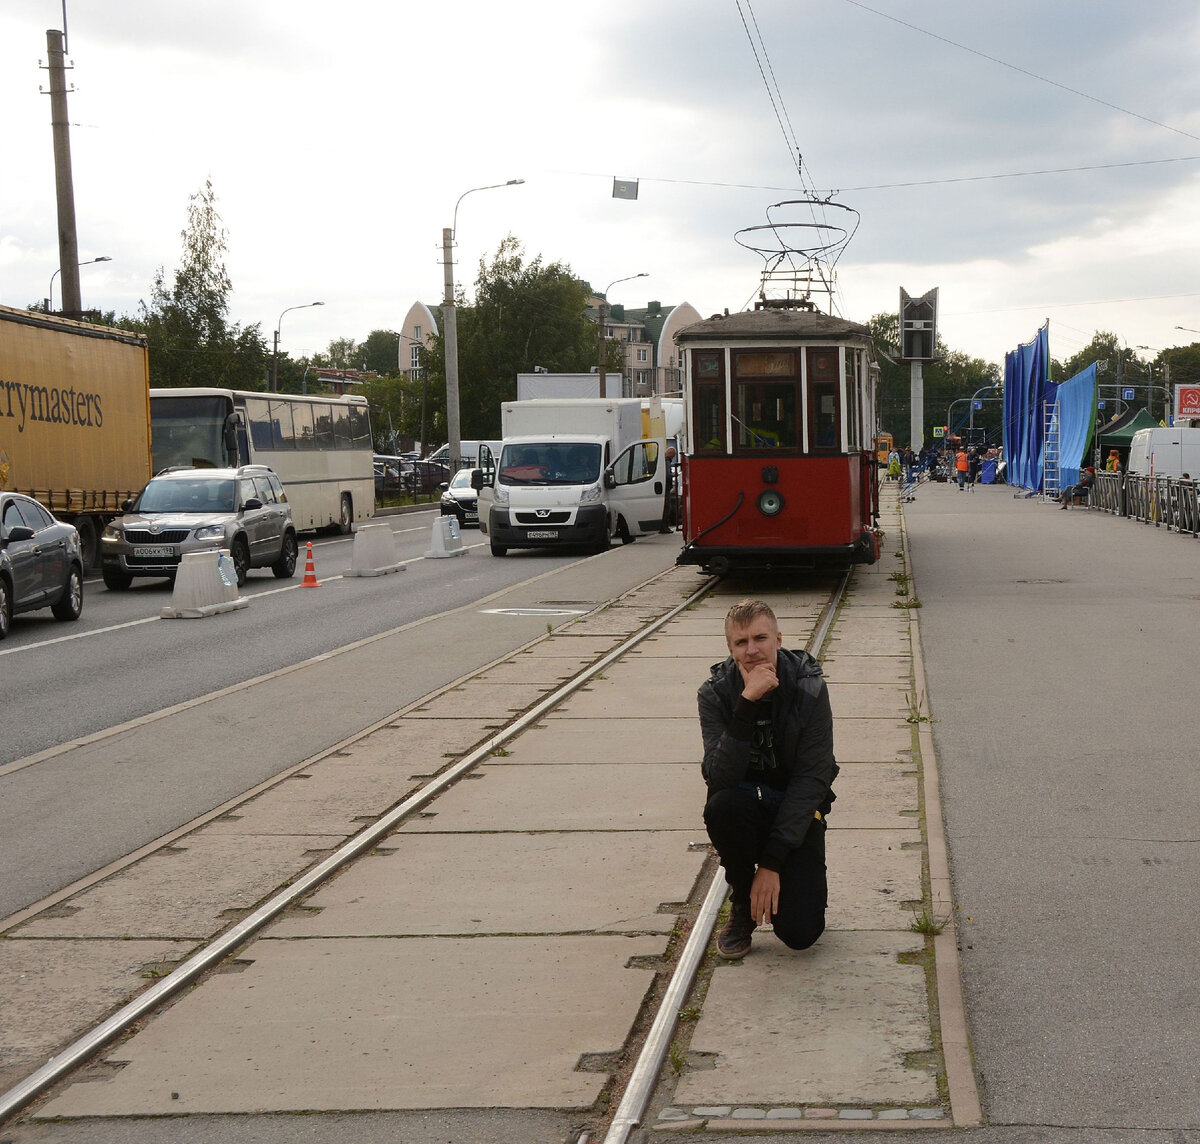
(853, 398)
(708, 409)
(824, 413)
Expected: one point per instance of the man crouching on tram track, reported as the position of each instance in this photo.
(768, 763)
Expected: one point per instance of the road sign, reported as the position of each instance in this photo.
(1101, 405)
(939, 430)
(1126, 394)
(1187, 402)
(978, 404)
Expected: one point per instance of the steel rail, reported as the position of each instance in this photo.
(83, 1047)
(649, 1063)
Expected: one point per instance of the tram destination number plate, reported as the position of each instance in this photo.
(542, 534)
(151, 550)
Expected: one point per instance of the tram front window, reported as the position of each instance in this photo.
(765, 415)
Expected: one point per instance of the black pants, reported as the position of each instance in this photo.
(738, 824)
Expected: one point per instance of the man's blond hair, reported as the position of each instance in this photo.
(745, 612)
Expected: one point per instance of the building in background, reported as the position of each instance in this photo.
(653, 363)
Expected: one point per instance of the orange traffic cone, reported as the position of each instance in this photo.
(310, 572)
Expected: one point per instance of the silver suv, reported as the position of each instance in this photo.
(243, 510)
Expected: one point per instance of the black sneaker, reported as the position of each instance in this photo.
(734, 940)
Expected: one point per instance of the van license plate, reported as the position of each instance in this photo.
(151, 550)
(542, 534)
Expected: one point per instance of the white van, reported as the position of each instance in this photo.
(1165, 452)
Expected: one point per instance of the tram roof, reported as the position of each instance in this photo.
(773, 325)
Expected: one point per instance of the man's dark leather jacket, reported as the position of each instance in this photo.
(802, 721)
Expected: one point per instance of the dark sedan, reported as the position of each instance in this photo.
(41, 563)
(429, 475)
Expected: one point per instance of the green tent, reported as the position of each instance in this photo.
(1118, 434)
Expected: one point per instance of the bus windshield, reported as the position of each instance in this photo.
(550, 463)
(189, 431)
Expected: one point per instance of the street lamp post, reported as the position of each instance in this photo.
(50, 299)
(450, 323)
(275, 352)
(603, 308)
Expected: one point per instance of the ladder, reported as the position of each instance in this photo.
(1051, 478)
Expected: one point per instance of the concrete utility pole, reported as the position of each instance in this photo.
(450, 341)
(450, 331)
(68, 239)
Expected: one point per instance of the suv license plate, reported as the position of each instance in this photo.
(542, 534)
(150, 550)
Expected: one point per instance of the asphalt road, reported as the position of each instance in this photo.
(134, 728)
(1060, 653)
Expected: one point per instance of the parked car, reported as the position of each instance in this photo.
(41, 562)
(183, 510)
(393, 476)
(460, 499)
(429, 476)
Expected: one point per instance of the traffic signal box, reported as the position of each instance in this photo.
(918, 326)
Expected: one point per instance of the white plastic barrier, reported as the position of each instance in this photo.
(205, 585)
(374, 552)
(446, 538)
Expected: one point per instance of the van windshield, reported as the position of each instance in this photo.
(550, 463)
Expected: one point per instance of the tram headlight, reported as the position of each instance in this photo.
(770, 502)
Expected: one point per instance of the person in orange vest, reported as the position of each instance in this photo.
(963, 464)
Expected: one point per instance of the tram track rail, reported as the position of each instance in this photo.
(221, 947)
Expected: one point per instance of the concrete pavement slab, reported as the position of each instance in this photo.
(378, 1023)
(667, 694)
(872, 873)
(843, 668)
(417, 745)
(184, 891)
(870, 637)
(561, 738)
(335, 796)
(570, 644)
(543, 671)
(479, 699)
(871, 740)
(508, 883)
(875, 796)
(868, 700)
(668, 644)
(614, 622)
(51, 986)
(582, 796)
(820, 1026)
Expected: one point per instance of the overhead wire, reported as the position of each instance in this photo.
(1020, 70)
(816, 205)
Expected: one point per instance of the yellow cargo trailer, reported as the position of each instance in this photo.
(74, 417)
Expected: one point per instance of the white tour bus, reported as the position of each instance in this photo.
(319, 447)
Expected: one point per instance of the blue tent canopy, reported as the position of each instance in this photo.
(1076, 414)
(1027, 392)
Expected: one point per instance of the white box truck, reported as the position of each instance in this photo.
(571, 471)
(1162, 452)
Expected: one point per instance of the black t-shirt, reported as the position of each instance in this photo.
(764, 767)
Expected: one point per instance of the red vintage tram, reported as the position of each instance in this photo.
(780, 469)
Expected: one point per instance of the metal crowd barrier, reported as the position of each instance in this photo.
(1161, 501)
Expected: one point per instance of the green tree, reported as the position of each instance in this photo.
(186, 321)
(524, 314)
(380, 353)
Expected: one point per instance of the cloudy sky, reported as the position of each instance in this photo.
(1032, 160)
